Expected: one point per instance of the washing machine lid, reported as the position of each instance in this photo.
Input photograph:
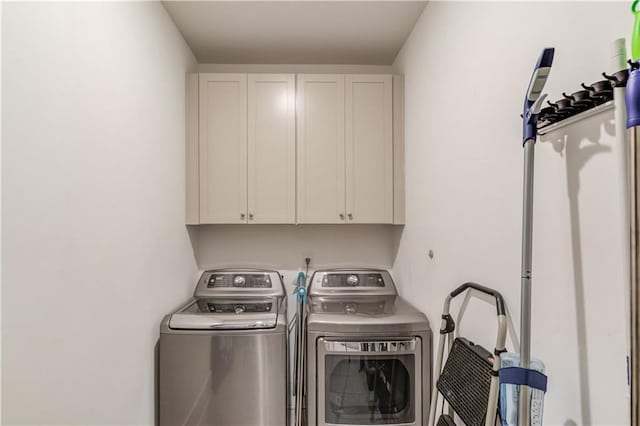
(240, 282)
(226, 314)
(351, 282)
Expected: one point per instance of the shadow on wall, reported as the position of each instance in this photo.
(285, 246)
(578, 149)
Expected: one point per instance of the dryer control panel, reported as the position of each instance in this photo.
(352, 281)
(239, 280)
(370, 279)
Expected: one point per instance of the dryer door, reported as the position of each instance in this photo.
(369, 382)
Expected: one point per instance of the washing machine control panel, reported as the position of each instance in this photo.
(240, 280)
(239, 307)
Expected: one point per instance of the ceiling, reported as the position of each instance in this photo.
(295, 32)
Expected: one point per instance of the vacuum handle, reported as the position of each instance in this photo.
(482, 289)
(534, 98)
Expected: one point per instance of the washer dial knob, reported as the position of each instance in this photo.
(350, 308)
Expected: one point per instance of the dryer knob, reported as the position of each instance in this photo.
(351, 308)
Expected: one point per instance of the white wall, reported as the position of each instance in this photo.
(95, 249)
(286, 246)
(466, 69)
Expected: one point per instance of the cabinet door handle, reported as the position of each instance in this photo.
(341, 216)
(242, 216)
(350, 216)
(250, 216)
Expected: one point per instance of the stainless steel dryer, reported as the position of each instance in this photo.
(368, 352)
(223, 355)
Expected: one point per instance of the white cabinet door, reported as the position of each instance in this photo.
(223, 148)
(272, 148)
(321, 149)
(369, 148)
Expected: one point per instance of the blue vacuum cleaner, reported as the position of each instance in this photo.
(523, 376)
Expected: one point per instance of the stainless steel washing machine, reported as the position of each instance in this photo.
(223, 354)
(368, 352)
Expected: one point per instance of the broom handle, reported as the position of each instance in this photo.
(632, 98)
(525, 298)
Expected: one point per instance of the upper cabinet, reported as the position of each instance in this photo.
(321, 149)
(345, 148)
(272, 149)
(246, 149)
(369, 148)
(223, 148)
(276, 148)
